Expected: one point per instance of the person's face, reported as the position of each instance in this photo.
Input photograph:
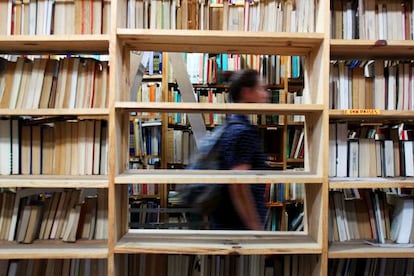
(257, 94)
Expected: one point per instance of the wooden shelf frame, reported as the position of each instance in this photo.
(308, 241)
(54, 181)
(313, 46)
(207, 176)
(384, 115)
(315, 117)
(48, 112)
(241, 108)
(220, 41)
(97, 249)
(373, 182)
(358, 249)
(371, 49)
(54, 44)
(215, 242)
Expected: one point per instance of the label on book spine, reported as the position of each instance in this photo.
(362, 112)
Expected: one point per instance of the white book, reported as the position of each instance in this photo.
(392, 87)
(407, 218)
(131, 14)
(332, 150)
(343, 92)
(389, 158)
(15, 147)
(97, 147)
(32, 17)
(49, 15)
(17, 77)
(173, 15)
(342, 149)
(353, 160)
(41, 17)
(408, 157)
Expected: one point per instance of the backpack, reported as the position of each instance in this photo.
(205, 198)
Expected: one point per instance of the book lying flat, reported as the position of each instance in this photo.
(389, 244)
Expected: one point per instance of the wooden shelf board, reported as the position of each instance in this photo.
(54, 250)
(216, 242)
(366, 49)
(220, 41)
(243, 108)
(54, 44)
(374, 182)
(210, 176)
(87, 112)
(53, 181)
(153, 77)
(357, 249)
(384, 115)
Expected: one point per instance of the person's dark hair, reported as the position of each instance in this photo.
(240, 79)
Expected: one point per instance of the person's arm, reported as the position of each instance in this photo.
(243, 201)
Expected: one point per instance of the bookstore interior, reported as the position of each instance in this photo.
(104, 104)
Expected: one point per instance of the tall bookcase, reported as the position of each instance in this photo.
(373, 39)
(118, 41)
(315, 48)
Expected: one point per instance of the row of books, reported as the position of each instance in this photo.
(53, 147)
(47, 267)
(296, 143)
(144, 190)
(56, 214)
(220, 265)
(220, 95)
(288, 217)
(208, 69)
(369, 19)
(282, 192)
(245, 15)
(202, 95)
(149, 92)
(371, 266)
(374, 216)
(45, 17)
(75, 82)
(145, 214)
(180, 146)
(386, 151)
(379, 84)
(145, 138)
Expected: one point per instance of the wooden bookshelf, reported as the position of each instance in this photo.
(95, 113)
(216, 243)
(368, 49)
(359, 249)
(314, 47)
(54, 250)
(38, 187)
(365, 46)
(55, 44)
(371, 115)
(283, 109)
(318, 49)
(367, 183)
(221, 41)
(54, 181)
(206, 176)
